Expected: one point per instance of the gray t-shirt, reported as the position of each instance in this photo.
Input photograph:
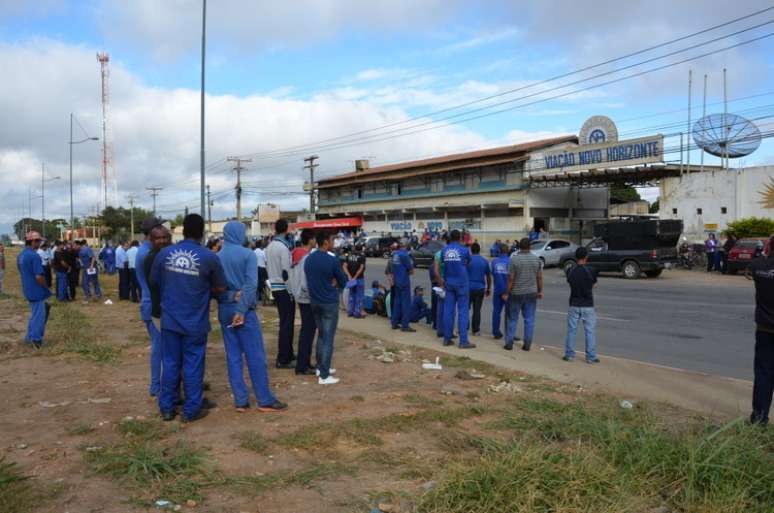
(524, 268)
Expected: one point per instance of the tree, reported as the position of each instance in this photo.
(751, 227)
(653, 209)
(624, 193)
(26, 224)
(118, 220)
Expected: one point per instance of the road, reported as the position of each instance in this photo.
(684, 319)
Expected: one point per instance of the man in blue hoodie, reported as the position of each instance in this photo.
(33, 282)
(454, 279)
(239, 323)
(186, 275)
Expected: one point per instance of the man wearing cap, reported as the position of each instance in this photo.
(239, 324)
(186, 274)
(33, 282)
(146, 306)
(419, 309)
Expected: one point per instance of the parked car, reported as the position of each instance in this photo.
(553, 251)
(744, 252)
(632, 247)
(423, 256)
(379, 246)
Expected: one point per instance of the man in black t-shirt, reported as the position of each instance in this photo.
(761, 271)
(354, 268)
(581, 280)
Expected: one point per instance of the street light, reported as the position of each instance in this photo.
(43, 181)
(72, 224)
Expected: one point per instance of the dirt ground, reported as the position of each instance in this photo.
(66, 409)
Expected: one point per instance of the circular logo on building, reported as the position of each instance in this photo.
(597, 130)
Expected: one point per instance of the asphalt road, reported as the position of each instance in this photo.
(684, 319)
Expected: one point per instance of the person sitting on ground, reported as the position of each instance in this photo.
(419, 309)
(372, 298)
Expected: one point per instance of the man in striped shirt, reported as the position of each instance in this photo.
(525, 287)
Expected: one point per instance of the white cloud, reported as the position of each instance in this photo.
(484, 39)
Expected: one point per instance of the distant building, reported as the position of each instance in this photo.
(707, 201)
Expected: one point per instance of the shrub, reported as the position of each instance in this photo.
(751, 227)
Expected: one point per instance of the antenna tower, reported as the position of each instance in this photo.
(108, 172)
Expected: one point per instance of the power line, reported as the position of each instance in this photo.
(154, 191)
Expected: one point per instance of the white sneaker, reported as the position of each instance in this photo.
(330, 380)
(330, 371)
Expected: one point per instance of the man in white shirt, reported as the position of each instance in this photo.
(260, 256)
(45, 257)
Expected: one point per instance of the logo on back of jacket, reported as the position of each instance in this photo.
(452, 255)
(501, 268)
(184, 262)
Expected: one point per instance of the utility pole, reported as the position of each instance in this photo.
(43, 198)
(688, 146)
(201, 113)
(312, 189)
(238, 168)
(131, 212)
(154, 191)
(209, 210)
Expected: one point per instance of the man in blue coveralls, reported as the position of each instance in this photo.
(402, 268)
(500, 277)
(239, 323)
(108, 257)
(148, 225)
(419, 309)
(90, 273)
(33, 281)
(186, 274)
(456, 259)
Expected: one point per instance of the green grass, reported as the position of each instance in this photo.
(593, 456)
(16, 492)
(177, 472)
(252, 441)
(464, 362)
(80, 429)
(70, 331)
(151, 429)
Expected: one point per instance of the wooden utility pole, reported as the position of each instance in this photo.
(238, 168)
(310, 160)
(154, 191)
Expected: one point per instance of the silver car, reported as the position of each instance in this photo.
(553, 251)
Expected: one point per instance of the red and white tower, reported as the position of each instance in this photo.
(108, 172)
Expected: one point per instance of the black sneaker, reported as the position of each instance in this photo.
(568, 358)
(206, 386)
(497, 337)
(395, 327)
(508, 347)
(275, 407)
(167, 416)
(288, 365)
(208, 405)
(202, 413)
(408, 330)
(306, 372)
(592, 360)
(448, 343)
(526, 347)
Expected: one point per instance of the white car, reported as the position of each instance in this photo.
(553, 251)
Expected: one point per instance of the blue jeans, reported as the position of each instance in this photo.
(36, 327)
(88, 281)
(155, 357)
(186, 353)
(527, 305)
(589, 317)
(457, 297)
(62, 293)
(497, 309)
(401, 306)
(245, 345)
(355, 303)
(326, 317)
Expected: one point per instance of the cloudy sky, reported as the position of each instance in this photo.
(389, 80)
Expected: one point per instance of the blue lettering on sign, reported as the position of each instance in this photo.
(400, 226)
(561, 160)
(435, 225)
(625, 151)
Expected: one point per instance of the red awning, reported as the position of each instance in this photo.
(341, 222)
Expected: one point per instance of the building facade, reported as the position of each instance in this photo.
(707, 201)
(485, 192)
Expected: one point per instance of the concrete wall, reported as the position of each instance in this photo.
(630, 208)
(708, 201)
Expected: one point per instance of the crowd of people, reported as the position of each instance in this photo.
(176, 282)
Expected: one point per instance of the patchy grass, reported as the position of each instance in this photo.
(80, 429)
(357, 399)
(150, 429)
(175, 472)
(252, 441)
(587, 456)
(16, 492)
(70, 331)
(463, 362)
(306, 477)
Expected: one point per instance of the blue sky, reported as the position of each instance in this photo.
(282, 75)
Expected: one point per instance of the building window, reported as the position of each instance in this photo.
(359, 193)
(698, 211)
(723, 210)
(674, 211)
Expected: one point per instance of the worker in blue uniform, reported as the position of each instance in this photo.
(186, 275)
(108, 257)
(500, 278)
(239, 324)
(90, 278)
(402, 269)
(419, 309)
(456, 260)
(33, 281)
(156, 237)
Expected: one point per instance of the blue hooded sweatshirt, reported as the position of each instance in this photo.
(240, 267)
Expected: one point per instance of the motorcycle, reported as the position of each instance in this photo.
(688, 258)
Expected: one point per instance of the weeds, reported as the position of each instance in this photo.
(70, 331)
(306, 477)
(16, 492)
(137, 429)
(80, 429)
(464, 362)
(252, 441)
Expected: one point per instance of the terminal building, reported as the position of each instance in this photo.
(558, 184)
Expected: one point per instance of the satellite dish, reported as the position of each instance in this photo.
(726, 135)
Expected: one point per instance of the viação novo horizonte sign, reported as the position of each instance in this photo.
(632, 152)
